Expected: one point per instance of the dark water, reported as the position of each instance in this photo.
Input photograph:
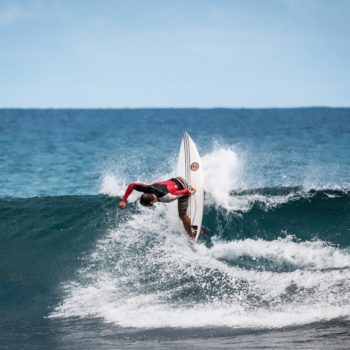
(272, 272)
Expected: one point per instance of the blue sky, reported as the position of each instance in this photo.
(208, 53)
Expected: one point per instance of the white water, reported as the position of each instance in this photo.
(307, 255)
(136, 277)
(145, 273)
(142, 275)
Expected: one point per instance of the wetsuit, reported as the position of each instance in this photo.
(166, 191)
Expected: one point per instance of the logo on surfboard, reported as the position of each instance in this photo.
(194, 166)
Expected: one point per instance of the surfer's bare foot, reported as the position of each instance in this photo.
(192, 236)
(122, 205)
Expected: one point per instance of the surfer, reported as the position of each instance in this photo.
(164, 192)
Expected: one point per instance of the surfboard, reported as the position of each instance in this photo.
(189, 166)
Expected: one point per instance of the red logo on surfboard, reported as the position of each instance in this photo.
(194, 166)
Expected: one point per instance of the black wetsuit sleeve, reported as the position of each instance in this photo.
(144, 188)
(157, 189)
(138, 187)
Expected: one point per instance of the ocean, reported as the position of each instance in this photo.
(273, 271)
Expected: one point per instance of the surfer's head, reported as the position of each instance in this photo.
(147, 199)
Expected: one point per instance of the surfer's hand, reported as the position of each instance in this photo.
(122, 205)
(192, 190)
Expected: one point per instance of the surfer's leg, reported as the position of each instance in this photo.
(182, 205)
(187, 224)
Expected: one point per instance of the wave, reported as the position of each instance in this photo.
(41, 241)
(267, 213)
(145, 274)
(78, 256)
(271, 213)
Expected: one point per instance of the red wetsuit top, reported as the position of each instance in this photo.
(166, 191)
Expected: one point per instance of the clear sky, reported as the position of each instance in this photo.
(190, 53)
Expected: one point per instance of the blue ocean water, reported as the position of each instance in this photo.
(273, 270)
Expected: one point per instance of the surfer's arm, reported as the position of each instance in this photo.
(134, 186)
(184, 192)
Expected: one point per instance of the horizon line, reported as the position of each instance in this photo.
(199, 108)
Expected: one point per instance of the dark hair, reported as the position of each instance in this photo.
(147, 199)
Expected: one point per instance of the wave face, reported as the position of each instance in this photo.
(275, 213)
(42, 240)
(275, 263)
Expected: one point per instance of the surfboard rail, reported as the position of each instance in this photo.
(189, 167)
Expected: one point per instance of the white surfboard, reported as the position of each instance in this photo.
(189, 167)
